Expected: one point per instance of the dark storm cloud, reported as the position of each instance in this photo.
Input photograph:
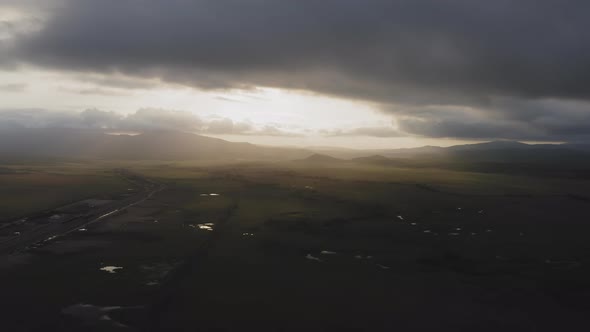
(528, 48)
(510, 118)
(470, 129)
(405, 52)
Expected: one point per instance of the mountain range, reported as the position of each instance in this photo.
(54, 143)
(157, 145)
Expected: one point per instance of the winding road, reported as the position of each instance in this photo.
(50, 230)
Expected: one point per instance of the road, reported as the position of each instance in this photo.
(49, 231)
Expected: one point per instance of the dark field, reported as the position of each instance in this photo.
(300, 247)
(33, 188)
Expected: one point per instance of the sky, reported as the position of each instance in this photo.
(347, 73)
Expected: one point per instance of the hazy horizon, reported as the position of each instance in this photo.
(295, 165)
(331, 73)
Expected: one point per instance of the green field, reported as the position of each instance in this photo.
(32, 188)
(318, 247)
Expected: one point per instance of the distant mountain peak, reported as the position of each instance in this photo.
(317, 157)
(150, 145)
(505, 143)
(373, 158)
(490, 146)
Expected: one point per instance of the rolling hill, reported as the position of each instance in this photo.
(158, 145)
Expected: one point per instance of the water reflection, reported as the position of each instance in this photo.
(95, 314)
(313, 258)
(111, 269)
(206, 226)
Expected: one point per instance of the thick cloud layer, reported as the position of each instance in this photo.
(141, 120)
(146, 119)
(507, 118)
(410, 54)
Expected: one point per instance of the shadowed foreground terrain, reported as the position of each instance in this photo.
(294, 165)
(293, 246)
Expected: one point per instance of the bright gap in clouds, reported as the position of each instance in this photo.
(297, 110)
(280, 117)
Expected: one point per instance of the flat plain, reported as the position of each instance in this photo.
(296, 246)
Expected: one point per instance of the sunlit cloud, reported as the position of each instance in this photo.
(330, 70)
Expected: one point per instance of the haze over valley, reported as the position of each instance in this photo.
(309, 165)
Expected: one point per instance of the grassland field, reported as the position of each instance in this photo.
(315, 247)
(26, 189)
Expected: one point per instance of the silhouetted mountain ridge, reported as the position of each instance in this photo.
(52, 143)
(155, 145)
(321, 158)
